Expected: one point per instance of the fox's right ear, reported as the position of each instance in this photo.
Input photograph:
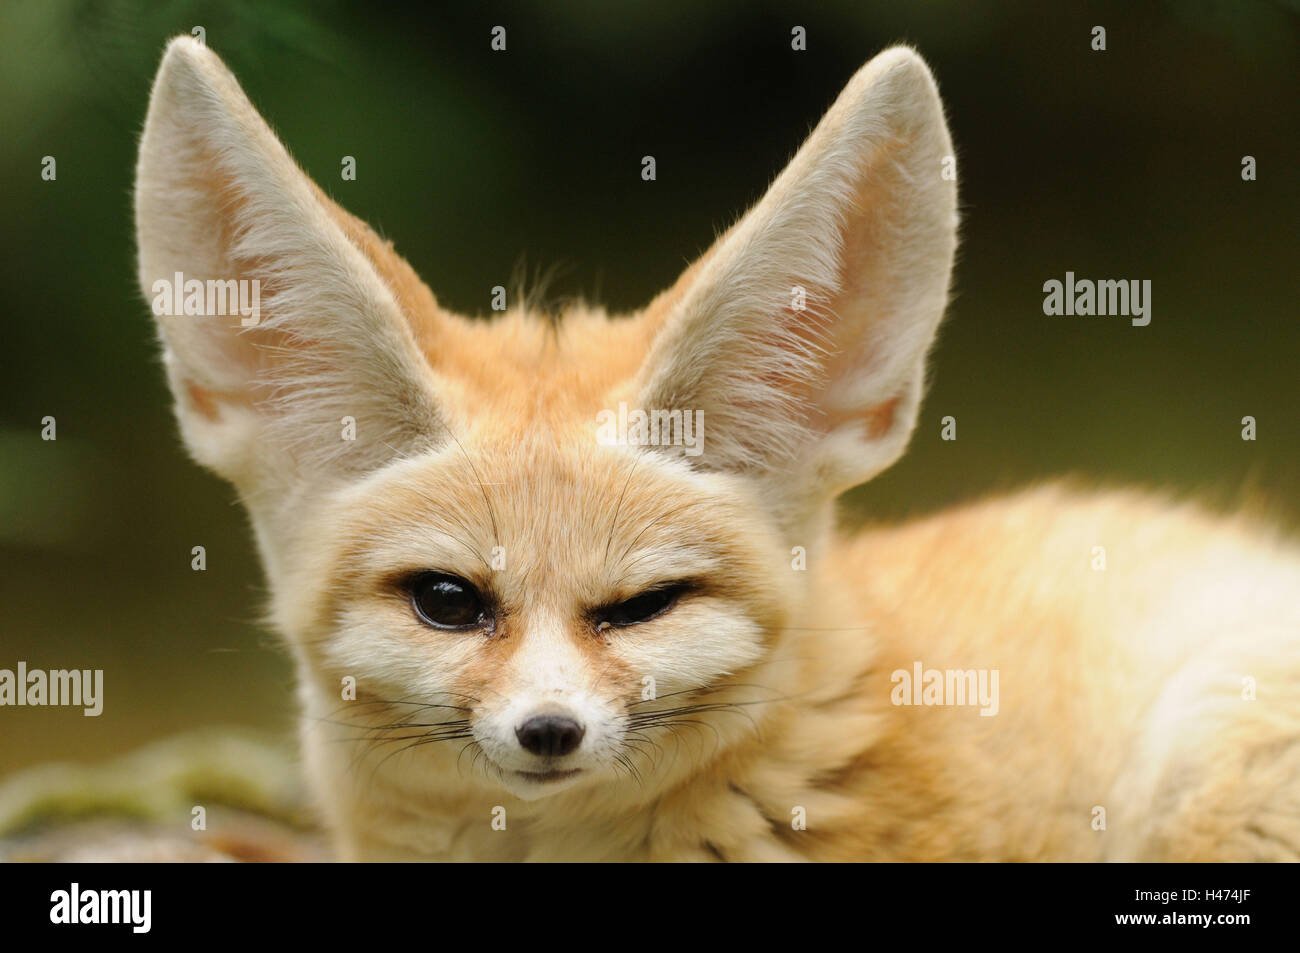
(320, 373)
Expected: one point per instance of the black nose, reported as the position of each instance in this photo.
(550, 735)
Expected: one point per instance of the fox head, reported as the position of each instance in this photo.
(511, 551)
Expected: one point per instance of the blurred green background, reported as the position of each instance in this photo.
(482, 166)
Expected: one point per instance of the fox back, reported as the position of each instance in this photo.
(574, 589)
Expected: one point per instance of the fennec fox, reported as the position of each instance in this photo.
(576, 592)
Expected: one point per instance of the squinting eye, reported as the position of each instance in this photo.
(643, 607)
(447, 602)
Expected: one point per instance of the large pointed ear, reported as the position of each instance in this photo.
(802, 334)
(289, 328)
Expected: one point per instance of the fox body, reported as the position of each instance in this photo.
(517, 640)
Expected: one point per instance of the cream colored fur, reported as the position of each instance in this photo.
(476, 441)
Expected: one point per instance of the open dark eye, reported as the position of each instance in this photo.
(447, 602)
(642, 607)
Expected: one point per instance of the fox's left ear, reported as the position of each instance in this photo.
(802, 335)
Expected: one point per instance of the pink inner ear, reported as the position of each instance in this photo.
(848, 325)
(207, 402)
(201, 400)
(877, 420)
(880, 419)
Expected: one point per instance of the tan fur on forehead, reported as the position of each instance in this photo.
(525, 369)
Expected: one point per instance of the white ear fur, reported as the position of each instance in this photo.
(862, 219)
(218, 198)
